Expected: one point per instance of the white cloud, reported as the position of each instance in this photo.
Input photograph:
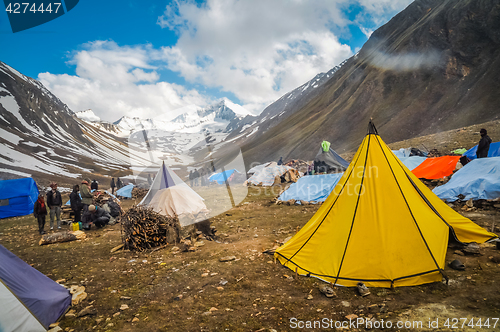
(257, 50)
(261, 49)
(114, 81)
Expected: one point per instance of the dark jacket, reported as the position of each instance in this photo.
(54, 199)
(94, 185)
(75, 201)
(99, 212)
(483, 147)
(119, 183)
(112, 184)
(38, 209)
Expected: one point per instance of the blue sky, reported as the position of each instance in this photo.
(154, 58)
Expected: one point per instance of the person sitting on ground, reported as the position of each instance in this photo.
(119, 183)
(94, 185)
(76, 203)
(280, 162)
(54, 202)
(484, 144)
(113, 209)
(98, 216)
(40, 212)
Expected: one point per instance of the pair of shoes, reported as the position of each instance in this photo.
(327, 290)
(362, 289)
(51, 228)
(457, 265)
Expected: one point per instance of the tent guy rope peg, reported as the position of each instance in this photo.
(296, 273)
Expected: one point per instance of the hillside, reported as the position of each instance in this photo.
(433, 67)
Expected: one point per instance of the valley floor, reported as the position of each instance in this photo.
(251, 293)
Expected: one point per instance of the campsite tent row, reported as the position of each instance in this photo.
(373, 226)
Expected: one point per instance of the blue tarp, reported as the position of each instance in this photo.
(479, 179)
(17, 197)
(412, 162)
(402, 153)
(311, 188)
(125, 191)
(494, 151)
(44, 298)
(220, 177)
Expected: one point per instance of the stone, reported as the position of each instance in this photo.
(199, 244)
(345, 304)
(227, 258)
(135, 320)
(123, 307)
(125, 298)
(213, 309)
(178, 297)
(116, 314)
(51, 326)
(90, 310)
(70, 314)
(56, 329)
(309, 297)
(204, 274)
(351, 316)
(470, 203)
(459, 252)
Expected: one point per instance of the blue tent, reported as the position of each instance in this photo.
(311, 188)
(412, 162)
(222, 176)
(30, 300)
(125, 191)
(494, 151)
(479, 179)
(17, 197)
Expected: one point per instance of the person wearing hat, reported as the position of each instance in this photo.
(484, 144)
(86, 201)
(40, 212)
(54, 202)
(98, 216)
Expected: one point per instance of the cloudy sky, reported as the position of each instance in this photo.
(152, 58)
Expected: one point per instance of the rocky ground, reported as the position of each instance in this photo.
(231, 284)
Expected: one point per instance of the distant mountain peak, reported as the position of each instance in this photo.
(88, 115)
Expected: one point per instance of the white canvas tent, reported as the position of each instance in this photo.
(170, 196)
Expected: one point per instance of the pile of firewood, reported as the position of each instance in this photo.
(101, 199)
(143, 229)
(139, 193)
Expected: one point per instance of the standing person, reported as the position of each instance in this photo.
(54, 202)
(202, 175)
(484, 144)
(86, 201)
(280, 162)
(191, 177)
(196, 175)
(76, 203)
(94, 185)
(119, 183)
(310, 169)
(40, 212)
(113, 186)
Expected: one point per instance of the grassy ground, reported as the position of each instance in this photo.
(251, 293)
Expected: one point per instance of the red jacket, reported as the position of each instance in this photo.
(40, 208)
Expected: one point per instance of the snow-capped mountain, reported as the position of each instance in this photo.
(88, 115)
(41, 137)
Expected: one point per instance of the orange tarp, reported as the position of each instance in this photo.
(436, 168)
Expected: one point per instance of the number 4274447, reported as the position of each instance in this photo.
(27, 7)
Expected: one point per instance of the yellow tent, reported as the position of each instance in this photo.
(380, 225)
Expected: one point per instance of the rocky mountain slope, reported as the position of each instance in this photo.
(433, 67)
(41, 137)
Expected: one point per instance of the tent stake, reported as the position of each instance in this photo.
(296, 273)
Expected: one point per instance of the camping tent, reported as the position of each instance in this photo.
(267, 175)
(17, 197)
(436, 168)
(412, 162)
(494, 151)
(221, 177)
(125, 191)
(328, 160)
(479, 179)
(170, 196)
(380, 225)
(30, 300)
(311, 188)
